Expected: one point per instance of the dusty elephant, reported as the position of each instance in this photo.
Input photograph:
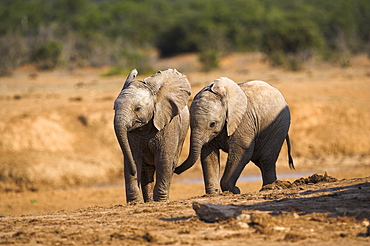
(151, 121)
(249, 121)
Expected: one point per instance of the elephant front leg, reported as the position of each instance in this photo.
(210, 159)
(237, 159)
(132, 185)
(163, 174)
(147, 181)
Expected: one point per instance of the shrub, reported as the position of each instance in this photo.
(210, 59)
(290, 41)
(130, 58)
(47, 55)
(13, 52)
(289, 32)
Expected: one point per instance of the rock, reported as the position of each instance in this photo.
(365, 223)
(213, 213)
(244, 217)
(280, 228)
(356, 213)
(242, 225)
(295, 215)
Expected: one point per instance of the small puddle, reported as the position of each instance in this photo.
(251, 178)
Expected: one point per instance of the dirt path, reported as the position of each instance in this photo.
(335, 213)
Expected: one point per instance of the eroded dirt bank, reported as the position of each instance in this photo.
(325, 213)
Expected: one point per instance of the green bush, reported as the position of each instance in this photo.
(115, 71)
(290, 40)
(130, 58)
(87, 31)
(47, 55)
(210, 60)
(13, 53)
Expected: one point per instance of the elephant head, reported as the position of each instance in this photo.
(157, 98)
(220, 104)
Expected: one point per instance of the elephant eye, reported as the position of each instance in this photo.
(137, 108)
(212, 124)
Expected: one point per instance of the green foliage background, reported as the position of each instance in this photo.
(123, 33)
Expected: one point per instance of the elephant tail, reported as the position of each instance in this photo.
(291, 164)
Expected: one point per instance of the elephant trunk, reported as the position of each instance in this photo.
(194, 153)
(121, 133)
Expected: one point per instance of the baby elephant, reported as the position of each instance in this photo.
(249, 121)
(151, 121)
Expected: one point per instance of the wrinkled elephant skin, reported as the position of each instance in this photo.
(151, 121)
(249, 121)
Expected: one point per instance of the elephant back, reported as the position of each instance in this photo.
(264, 100)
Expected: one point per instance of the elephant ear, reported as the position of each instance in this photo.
(236, 101)
(172, 90)
(130, 78)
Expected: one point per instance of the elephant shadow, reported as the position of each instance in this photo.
(350, 201)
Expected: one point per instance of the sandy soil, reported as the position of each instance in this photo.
(61, 171)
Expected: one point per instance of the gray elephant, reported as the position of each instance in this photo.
(249, 121)
(151, 121)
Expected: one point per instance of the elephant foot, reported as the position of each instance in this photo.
(226, 187)
(164, 199)
(134, 201)
(235, 190)
(213, 191)
(161, 198)
(149, 199)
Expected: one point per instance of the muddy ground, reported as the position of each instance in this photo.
(326, 213)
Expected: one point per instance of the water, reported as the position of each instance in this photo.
(252, 178)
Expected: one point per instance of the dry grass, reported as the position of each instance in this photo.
(56, 127)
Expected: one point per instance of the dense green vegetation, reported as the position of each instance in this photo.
(125, 33)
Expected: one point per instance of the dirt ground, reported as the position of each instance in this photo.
(61, 175)
(324, 213)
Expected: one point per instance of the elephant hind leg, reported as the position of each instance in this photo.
(267, 161)
(268, 169)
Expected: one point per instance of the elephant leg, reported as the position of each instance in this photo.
(164, 166)
(210, 159)
(163, 173)
(132, 184)
(237, 159)
(269, 155)
(147, 181)
(267, 166)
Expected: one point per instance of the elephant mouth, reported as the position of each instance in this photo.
(136, 124)
(213, 135)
